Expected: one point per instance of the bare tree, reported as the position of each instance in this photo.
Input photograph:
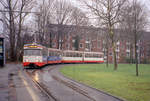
(108, 12)
(14, 22)
(43, 18)
(79, 19)
(62, 16)
(134, 22)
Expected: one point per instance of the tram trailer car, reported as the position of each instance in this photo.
(54, 56)
(38, 55)
(93, 57)
(72, 57)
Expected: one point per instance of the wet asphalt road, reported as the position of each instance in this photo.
(17, 85)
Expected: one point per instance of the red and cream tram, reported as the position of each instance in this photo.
(38, 55)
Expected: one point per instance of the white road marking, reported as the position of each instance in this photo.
(29, 89)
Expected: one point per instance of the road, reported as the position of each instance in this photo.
(48, 84)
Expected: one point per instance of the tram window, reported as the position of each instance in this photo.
(58, 54)
(87, 55)
(54, 53)
(35, 52)
(44, 52)
(91, 55)
(75, 54)
(71, 54)
(78, 54)
(50, 53)
(95, 55)
(67, 54)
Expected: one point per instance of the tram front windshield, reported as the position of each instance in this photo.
(32, 52)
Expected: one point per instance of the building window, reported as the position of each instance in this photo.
(81, 37)
(117, 48)
(142, 54)
(127, 43)
(118, 43)
(110, 54)
(128, 47)
(127, 54)
(81, 45)
(67, 46)
(117, 54)
(53, 44)
(98, 44)
(93, 45)
(73, 40)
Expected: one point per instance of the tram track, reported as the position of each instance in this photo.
(42, 87)
(72, 86)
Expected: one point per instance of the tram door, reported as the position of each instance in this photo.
(2, 58)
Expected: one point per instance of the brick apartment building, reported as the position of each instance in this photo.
(92, 39)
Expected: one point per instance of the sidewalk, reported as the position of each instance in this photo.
(15, 85)
(6, 84)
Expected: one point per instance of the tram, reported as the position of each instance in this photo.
(36, 55)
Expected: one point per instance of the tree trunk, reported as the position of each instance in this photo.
(114, 56)
(135, 41)
(107, 53)
(136, 58)
(50, 40)
(12, 33)
(131, 53)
